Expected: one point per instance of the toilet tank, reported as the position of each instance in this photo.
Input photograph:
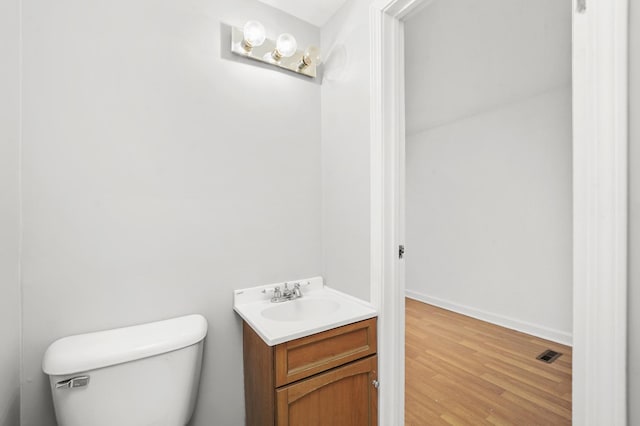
(142, 375)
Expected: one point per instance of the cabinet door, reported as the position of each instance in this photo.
(343, 396)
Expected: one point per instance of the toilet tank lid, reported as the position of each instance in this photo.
(84, 352)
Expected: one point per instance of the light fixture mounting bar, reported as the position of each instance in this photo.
(264, 52)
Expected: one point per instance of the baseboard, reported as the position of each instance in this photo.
(503, 321)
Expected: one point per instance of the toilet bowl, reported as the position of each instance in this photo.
(142, 375)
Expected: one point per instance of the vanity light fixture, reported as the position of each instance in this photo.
(251, 42)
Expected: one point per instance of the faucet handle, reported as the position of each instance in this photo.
(296, 290)
(275, 291)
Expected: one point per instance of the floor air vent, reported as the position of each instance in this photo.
(548, 356)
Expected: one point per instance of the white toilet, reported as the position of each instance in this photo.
(145, 375)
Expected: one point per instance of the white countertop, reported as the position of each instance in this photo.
(251, 303)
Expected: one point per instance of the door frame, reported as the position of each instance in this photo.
(600, 151)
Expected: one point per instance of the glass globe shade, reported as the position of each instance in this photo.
(312, 54)
(286, 45)
(254, 34)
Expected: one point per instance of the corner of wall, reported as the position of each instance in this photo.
(345, 150)
(633, 325)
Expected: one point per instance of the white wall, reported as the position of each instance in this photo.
(158, 176)
(489, 161)
(345, 150)
(634, 219)
(9, 225)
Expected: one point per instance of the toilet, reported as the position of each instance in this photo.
(144, 375)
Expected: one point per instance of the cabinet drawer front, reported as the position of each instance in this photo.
(307, 356)
(343, 396)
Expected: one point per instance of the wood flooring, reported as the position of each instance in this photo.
(463, 371)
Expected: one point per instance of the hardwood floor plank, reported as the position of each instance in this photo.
(557, 389)
(513, 363)
(526, 393)
(542, 413)
(463, 371)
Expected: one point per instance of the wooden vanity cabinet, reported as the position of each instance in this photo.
(323, 379)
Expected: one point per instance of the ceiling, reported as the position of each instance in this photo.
(316, 12)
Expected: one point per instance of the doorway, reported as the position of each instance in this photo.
(599, 205)
(488, 206)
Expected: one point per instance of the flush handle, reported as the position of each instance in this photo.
(75, 382)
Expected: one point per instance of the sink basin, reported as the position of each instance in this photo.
(319, 309)
(301, 310)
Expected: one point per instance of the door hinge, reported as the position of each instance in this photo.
(376, 384)
(401, 251)
(581, 6)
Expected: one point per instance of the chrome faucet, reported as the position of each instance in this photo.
(287, 293)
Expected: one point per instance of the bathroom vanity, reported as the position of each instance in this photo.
(310, 361)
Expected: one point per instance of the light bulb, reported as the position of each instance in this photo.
(311, 55)
(286, 46)
(254, 35)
